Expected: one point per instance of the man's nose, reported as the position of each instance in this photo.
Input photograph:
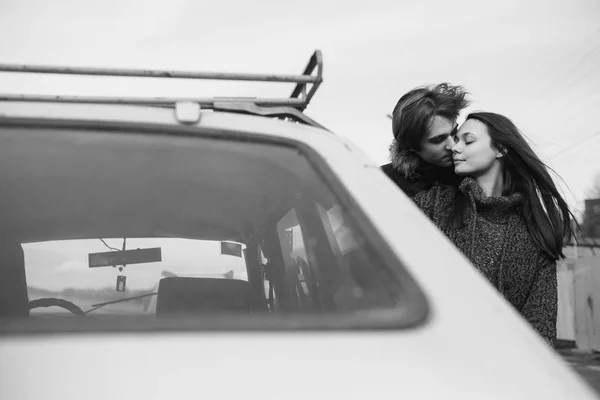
(449, 143)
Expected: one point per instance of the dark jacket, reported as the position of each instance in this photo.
(496, 240)
(412, 174)
(424, 178)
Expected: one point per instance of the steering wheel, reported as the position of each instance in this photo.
(53, 301)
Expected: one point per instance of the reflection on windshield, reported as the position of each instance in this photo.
(60, 269)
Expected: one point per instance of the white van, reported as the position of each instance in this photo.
(341, 287)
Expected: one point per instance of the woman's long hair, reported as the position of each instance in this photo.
(544, 210)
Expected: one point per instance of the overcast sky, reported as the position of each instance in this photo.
(537, 62)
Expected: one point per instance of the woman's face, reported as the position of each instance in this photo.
(473, 153)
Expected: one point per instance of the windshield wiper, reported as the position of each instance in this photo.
(100, 305)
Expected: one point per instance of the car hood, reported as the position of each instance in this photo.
(420, 364)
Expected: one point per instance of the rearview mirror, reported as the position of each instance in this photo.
(114, 258)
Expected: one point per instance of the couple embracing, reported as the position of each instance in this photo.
(487, 190)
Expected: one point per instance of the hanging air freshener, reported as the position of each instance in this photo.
(121, 281)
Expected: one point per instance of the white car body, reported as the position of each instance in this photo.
(473, 345)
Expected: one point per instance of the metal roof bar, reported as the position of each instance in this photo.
(147, 73)
(206, 102)
(299, 98)
(281, 112)
(316, 61)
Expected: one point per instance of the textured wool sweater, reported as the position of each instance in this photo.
(495, 239)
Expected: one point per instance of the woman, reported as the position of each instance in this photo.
(506, 216)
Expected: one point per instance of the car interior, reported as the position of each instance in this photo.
(301, 252)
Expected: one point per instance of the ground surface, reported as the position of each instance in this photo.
(587, 364)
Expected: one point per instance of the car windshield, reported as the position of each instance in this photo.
(61, 269)
(98, 223)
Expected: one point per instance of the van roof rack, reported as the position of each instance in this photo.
(291, 107)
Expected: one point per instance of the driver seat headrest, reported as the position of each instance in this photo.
(205, 295)
(14, 301)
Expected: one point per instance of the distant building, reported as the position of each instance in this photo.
(591, 219)
(584, 248)
(587, 242)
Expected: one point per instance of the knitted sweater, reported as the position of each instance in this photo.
(496, 240)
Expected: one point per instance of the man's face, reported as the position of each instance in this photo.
(436, 145)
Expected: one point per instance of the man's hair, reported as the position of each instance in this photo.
(413, 116)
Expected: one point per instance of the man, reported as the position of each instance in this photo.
(424, 124)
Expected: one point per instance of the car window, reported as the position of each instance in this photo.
(119, 224)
